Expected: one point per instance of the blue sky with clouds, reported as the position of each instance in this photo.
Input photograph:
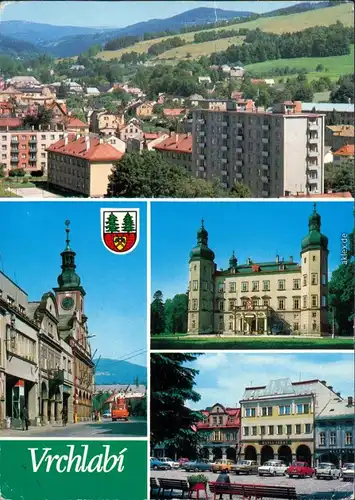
(32, 238)
(223, 376)
(118, 14)
(259, 230)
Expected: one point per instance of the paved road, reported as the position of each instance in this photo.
(308, 488)
(132, 428)
(33, 192)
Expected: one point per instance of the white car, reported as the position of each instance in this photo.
(326, 470)
(272, 468)
(348, 473)
(169, 461)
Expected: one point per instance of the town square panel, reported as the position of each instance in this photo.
(279, 430)
(73, 357)
(251, 270)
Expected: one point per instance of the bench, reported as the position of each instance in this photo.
(154, 487)
(249, 491)
(171, 485)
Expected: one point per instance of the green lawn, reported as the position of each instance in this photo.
(16, 185)
(336, 66)
(7, 194)
(184, 342)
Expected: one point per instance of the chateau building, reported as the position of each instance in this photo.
(278, 420)
(220, 426)
(260, 297)
(73, 329)
(335, 430)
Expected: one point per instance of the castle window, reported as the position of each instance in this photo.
(220, 287)
(304, 301)
(314, 326)
(305, 260)
(305, 280)
(296, 327)
(314, 278)
(314, 300)
(282, 304)
(296, 303)
(231, 326)
(281, 285)
(193, 324)
(314, 258)
(296, 284)
(195, 285)
(232, 286)
(266, 302)
(221, 305)
(255, 286)
(255, 303)
(266, 286)
(231, 305)
(194, 304)
(245, 286)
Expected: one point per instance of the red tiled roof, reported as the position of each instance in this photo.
(77, 147)
(152, 135)
(75, 122)
(173, 112)
(10, 122)
(346, 150)
(182, 143)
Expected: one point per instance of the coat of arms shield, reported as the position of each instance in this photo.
(120, 229)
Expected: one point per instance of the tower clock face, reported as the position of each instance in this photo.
(67, 303)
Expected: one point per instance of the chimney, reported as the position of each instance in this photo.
(350, 401)
(87, 142)
(277, 259)
(176, 138)
(330, 387)
(65, 139)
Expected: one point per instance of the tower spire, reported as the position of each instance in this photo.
(67, 230)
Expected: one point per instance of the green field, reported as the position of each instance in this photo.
(278, 24)
(201, 49)
(7, 194)
(185, 343)
(336, 66)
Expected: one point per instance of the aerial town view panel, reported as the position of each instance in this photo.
(221, 99)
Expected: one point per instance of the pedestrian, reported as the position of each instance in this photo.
(24, 418)
(64, 413)
(223, 478)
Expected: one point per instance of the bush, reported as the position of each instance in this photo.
(196, 479)
(37, 173)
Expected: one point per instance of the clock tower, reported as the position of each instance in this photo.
(73, 330)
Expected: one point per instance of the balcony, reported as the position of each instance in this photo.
(33, 139)
(239, 162)
(265, 166)
(239, 175)
(239, 150)
(313, 140)
(265, 153)
(265, 179)
(202, 157)
(13, 140)
(312, 153)
(202, 144)
(224, 148)
(14, 159)
(265, 140)
(265, 127)
(240, 137)
(202, 133)
(15, 150)
(33, 150)
(313, 126)
(224, 172)
(225, 124)
(265, 193)
(224, 160)
(239, 125)
(224, 136)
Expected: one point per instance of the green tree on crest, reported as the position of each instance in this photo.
(128, 223)
(111, 224)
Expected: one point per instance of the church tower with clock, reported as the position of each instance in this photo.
(73, 329)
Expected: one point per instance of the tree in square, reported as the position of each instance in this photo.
(128, 223)
(111, 224)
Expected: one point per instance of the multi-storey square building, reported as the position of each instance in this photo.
(220, 426)
(278, 419)
(273, 153)
(260, 297)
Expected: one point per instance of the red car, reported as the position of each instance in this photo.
(300, 469)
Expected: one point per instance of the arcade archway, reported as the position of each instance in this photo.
(217, 453)
(285, 454)
(303, 454)
(231, 454)
(250, 453)
(267, 453)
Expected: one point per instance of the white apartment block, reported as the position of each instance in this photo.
(274, 154)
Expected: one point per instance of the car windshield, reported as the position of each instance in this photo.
(349, 466)
(298, 464)
(324, 466)
(243, 462)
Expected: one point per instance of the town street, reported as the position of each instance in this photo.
(320, 489)
(132, 428)
(32, 192)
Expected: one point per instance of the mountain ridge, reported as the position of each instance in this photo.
(112, 371)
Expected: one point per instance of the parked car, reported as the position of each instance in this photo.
(245, 467)
(348, 473)
(327, 470)
(197, 466)
(106, 414)
(346, 466)
(222, 464)
(300, 469)
(170, 461)
(272, 468)
(156, 464)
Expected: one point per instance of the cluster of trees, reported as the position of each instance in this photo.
(170, 43)
(169, 316)
(148, 175)
(318, 41)
(339, 178)
(214, 35)
(344, 91)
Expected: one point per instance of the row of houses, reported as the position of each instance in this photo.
(45, 354)
(285, 420)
